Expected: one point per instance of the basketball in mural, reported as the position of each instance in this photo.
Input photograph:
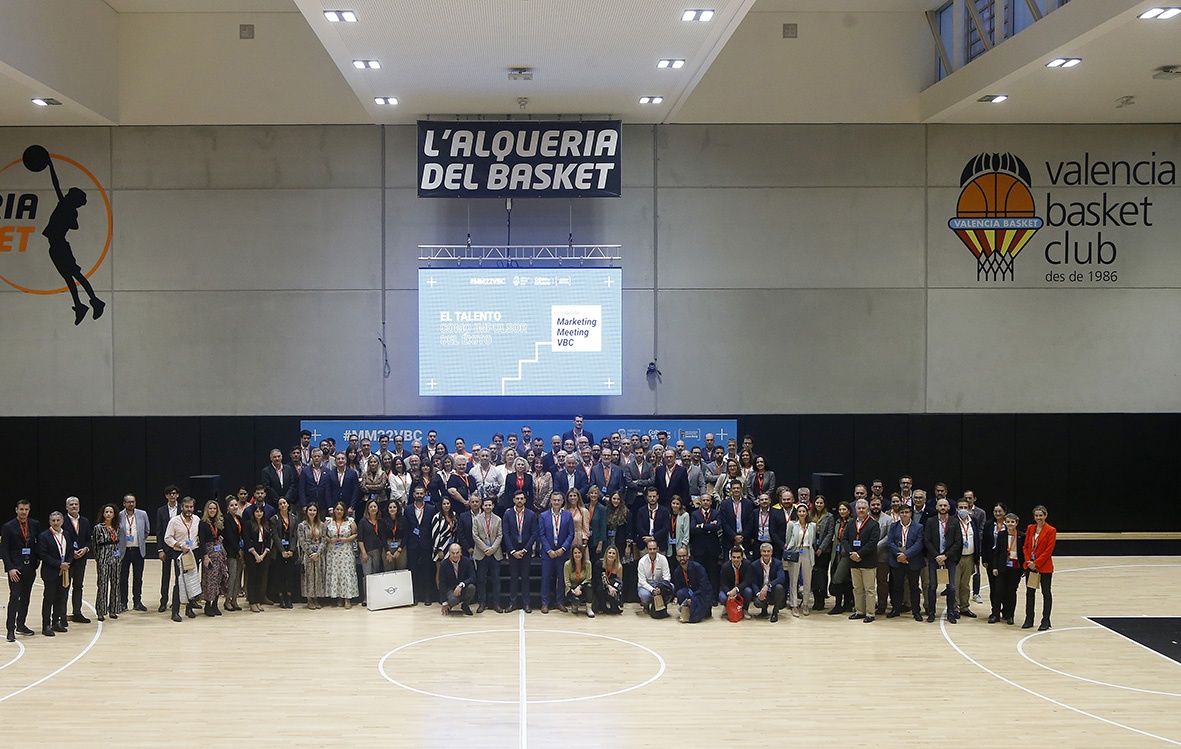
(995, 214)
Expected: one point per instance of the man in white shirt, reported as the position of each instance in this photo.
(489, 477)
(181, 538)
(653, 577)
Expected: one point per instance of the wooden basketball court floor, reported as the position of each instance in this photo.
(411, 678)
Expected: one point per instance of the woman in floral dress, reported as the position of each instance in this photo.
(311, 541)
(340, 563)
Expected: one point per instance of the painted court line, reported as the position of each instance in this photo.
(1034, 661)
(523, 697)
(98, 631)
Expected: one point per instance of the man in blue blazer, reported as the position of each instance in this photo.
(520, 536)
(570, 477)
(131, 550)
(556, 529)
(607, 475)
(313, 484)
(418, 516)
(344, 486)
(904, 540)
(735, 516)
(576, 432)
(766, 579)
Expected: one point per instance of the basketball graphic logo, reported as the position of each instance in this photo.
(995, 215)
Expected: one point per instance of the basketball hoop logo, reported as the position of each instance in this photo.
(995, 216)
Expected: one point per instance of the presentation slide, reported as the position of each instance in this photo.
(517, 331)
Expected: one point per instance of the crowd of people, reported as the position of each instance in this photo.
(627, 519)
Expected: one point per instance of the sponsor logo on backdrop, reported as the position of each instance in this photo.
(1086, 217)
(55, 228)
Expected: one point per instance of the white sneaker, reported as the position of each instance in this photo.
(977, 598)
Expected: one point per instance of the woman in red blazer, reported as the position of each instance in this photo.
(1039, 553)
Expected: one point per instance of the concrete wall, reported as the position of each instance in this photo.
(769, 269)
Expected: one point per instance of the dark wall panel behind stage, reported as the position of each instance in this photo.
(1041, 449)
(227, 449)
(880, 449)
(935, 451)
(66, 462)
(120, 458)
(173, 454)
(988, 458)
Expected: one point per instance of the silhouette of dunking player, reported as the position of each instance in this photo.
(61, 221)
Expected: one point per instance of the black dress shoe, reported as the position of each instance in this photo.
(968, 613)
(528, 609)
(918, 617)
(12, 635)
(893, 614)
(467, 610)
(856, 616)
(952, 619)
(993, 619)
(1044, 626)
(1009, 620)
(835, 611)
(23, 630)
(774, 617)
(80, 619)
(62, 628)
(481, 609)
(176, 617)
(48, 632)
(141, 607)
(867, 619)
(113, 615)
(930, 618)
(1028, 624)
(163, 607)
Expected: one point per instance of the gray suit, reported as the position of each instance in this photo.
(133, 556)
(487, 556)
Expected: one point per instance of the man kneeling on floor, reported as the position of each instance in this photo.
(457, 581)
(654, 582)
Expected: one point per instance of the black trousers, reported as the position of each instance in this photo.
(132, 561)
(1006, 584)
(256, 579)
(903, 578)
(77, 576)
(18, 598)
(53, 602)
(166, 575)
(518, 580)
(422, 575)
(1047, 599)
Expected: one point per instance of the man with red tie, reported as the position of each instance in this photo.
(735, 514)
(671, 479)
(518, 539)
(606, 474)
(556, 528)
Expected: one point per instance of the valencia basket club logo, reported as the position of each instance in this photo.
(995, 216)
(55, 228)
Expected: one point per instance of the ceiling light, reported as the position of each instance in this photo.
(45, 101)
(336, 16)
(993, 98)
(1063, 62)
(1169, 13)
(651, 99)
(698, 15)
(363, 64)
(1159, 14)
(385, 100)
(674, 64)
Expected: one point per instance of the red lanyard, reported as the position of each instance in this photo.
(905, 528)
(24, 529)
(61, 544)
(488, 526)
(213, 528)
(859, 523)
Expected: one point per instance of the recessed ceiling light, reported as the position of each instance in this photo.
(385, 100)
(1169, 13)
(45, 101)
(993, 98)
(363, 64)
(336, 16)
(1063, 62)
(674, 64)
(697, 15)
(1159, 14)
(651, 99)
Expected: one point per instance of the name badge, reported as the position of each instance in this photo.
(188, 543)
(75, 544)
(217, 547)
(116, 553)
(856, 543)
(286, 542)
(241, 544)
(1011, 563)
(315, 548)
(130, 539)
(417, 532)
(26, 551)
(393, 545)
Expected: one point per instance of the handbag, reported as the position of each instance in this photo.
(734, 608)
(791, 556)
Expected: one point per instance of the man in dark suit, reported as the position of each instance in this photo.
(607, 475)
(692, 588)
(313, 484)
(576, 432)
(457, 581)
(767, 580)
(904, 540)
(344, 486)
(54, 551)
(520, 536)
(671, 479)
(637, 476)
(555, 528)
(733, 582)
(77, 528)
(705, 541)
(18, 547)
(164, 515)
(861, 539)
(943, 544)
(570, 477)
(280, 480)
(418, 517)
(735, 516)
(652, 521)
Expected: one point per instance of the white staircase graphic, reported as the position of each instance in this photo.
(521, 365)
